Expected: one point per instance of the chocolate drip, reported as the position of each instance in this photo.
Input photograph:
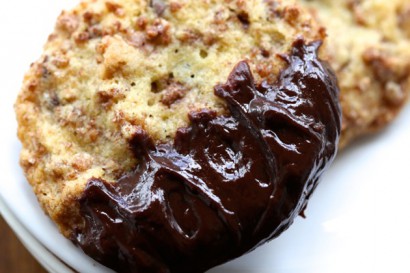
(228, 183)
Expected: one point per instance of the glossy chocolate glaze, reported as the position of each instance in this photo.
(228, 183)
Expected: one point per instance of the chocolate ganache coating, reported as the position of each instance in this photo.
(228, 183)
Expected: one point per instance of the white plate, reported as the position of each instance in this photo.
(357, 220)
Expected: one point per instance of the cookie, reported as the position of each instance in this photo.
(145, 120)
(369, 48)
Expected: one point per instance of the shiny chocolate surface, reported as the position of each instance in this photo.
(227, 183)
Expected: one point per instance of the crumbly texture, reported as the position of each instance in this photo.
(369, 49)
(111, 68)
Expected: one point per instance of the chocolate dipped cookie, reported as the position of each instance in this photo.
(173, 136)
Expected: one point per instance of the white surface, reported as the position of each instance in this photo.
(357, 221)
